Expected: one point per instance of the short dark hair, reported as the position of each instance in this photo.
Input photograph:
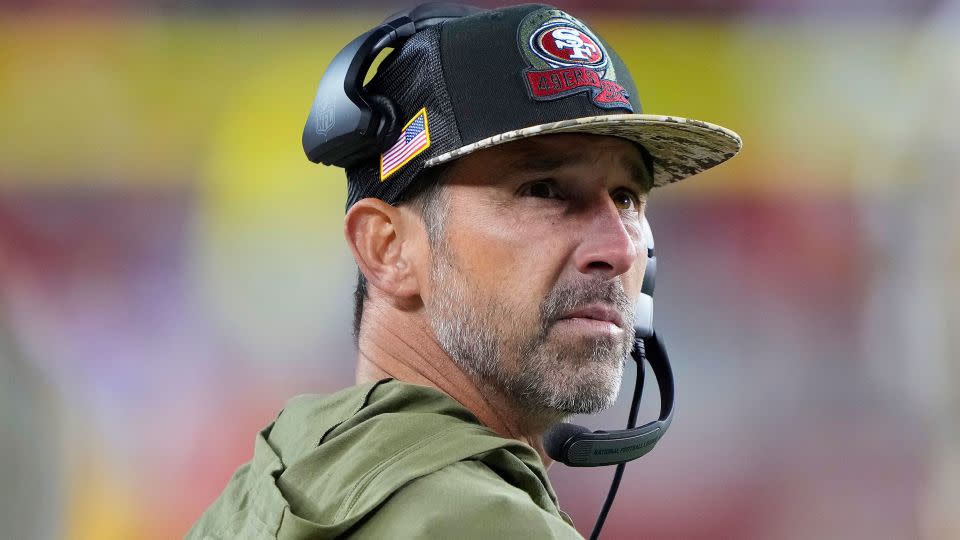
(424, 196)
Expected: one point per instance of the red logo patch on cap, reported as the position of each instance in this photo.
(554, 83)
(566, 58)
(569, 46)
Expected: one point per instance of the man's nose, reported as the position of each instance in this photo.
(608, 247)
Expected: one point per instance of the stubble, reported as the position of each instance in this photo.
(503, 348)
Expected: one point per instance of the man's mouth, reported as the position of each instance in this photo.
(596, 314)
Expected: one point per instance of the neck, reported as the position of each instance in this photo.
(401, 344)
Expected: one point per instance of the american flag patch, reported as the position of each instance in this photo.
(414, 139)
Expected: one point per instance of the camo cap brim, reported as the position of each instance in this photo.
(680, 147)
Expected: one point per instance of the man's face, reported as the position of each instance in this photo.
(536, 268)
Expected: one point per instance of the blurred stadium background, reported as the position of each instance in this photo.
(172, 268)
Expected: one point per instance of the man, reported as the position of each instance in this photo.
(499, 238)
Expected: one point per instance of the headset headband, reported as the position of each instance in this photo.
(346, 125)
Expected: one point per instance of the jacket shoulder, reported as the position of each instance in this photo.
(326, 464)
(465, 500)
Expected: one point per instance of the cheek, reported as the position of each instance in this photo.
(516, 262)
(633, 281)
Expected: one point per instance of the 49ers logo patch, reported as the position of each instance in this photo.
(560, 43)
(566, 58)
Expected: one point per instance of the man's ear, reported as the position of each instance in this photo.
(375, 233)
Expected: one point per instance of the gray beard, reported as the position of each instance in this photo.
(541, 378)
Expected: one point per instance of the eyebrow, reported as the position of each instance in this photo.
(532, 161)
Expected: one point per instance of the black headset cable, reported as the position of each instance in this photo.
(631, 423)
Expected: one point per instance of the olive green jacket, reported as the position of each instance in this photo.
(385, 460)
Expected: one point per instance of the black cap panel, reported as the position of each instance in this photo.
(410, 77)
(503, 83)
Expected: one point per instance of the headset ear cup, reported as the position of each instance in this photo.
(650, 276)
(644, 313)
(384, 120)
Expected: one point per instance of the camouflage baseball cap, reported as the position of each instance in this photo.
(506, 74)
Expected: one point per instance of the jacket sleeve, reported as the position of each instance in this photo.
(466, 501)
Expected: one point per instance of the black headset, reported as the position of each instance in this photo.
(347, 125)
(577, 446)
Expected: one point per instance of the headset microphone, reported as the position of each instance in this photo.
(577, 446)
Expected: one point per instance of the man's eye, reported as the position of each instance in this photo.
(542, 189)
(625, 199)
